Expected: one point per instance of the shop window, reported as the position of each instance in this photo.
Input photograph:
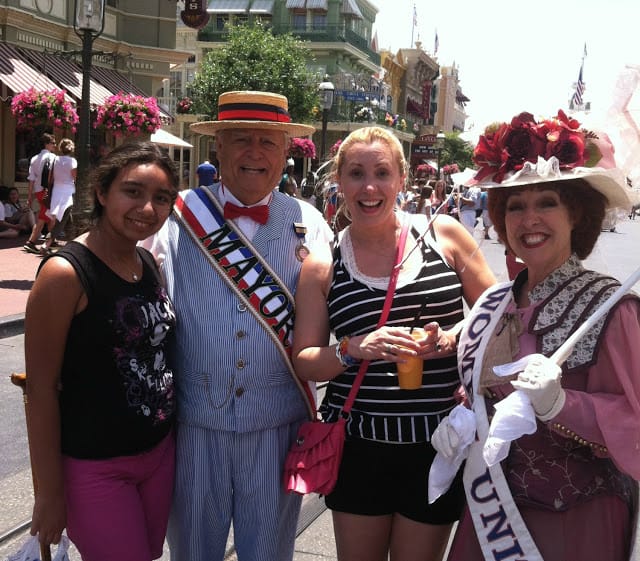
(299, 21)
(319, 20)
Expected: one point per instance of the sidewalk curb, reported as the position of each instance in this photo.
(11, 325)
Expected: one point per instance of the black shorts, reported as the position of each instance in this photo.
(378, 479)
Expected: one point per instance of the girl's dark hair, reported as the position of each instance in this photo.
(586, 207)
(139, 152)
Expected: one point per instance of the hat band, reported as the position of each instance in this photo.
(253, 112)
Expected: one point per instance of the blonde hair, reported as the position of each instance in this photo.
(369, 135)
(66, 146)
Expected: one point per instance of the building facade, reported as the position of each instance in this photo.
(39, 48)
(339, 35)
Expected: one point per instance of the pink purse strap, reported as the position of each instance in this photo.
(393, 280)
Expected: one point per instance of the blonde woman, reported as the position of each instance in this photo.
(380, 501)
(65, 168)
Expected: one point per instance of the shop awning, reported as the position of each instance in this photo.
(228, 6)
(67, 74)
(295, 4)
(165, 138)
(116, 83)
(349, 7)
(317, 5)
(18, 74)
(261, 7)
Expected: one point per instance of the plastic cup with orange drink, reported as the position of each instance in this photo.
(410, 371)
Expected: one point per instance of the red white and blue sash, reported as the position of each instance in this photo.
(501, 531)
(243, 270)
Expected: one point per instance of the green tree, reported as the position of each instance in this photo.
(254, 59)
(457, 151)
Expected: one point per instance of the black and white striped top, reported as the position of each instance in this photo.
(382, 411)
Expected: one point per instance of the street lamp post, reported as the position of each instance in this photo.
(439, 147)
(88, 25)
(326, 90)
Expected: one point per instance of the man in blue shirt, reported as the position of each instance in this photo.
(207, 173)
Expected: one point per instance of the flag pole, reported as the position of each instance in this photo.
(413, 24)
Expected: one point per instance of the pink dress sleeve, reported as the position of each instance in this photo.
(608, 412)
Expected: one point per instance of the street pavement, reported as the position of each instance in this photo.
(616, 254)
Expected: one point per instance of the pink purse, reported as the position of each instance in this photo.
(313, 462)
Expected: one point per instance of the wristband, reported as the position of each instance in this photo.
(341, 353)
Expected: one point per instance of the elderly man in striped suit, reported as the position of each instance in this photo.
(231, 254)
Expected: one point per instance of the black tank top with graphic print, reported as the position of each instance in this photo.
(117, 395)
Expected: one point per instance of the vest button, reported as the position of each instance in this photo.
(241, 364)
(241, 334)
(242, 307)
(239, 392)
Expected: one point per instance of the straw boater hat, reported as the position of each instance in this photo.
(253, 110)
(525, 152)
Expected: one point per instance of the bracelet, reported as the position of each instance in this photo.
(343, 356)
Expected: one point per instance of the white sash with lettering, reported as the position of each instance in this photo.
(501, 532)
(244, 271)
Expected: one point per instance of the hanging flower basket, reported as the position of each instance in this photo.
(424, 170)
(302, 148)
(33, 108)
(334, 149)
(184, 106)
(128, 115)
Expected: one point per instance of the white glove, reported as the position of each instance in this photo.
(445, 439)
(541, 382)
(451, 439)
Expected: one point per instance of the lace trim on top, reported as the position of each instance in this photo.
(569, 269)
(409, 270)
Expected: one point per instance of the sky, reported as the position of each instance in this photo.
(515, 56)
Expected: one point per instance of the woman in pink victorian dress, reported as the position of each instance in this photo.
(565, 487)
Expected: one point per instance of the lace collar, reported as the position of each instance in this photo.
(408, 272)
(571, 268)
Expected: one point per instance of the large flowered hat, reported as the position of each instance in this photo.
(524, 152)
(253, 110)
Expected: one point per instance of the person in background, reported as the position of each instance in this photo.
(288, 184)
(37, 191)
(17, 214)
(467, 203)
(572, 474)
(438, 197)
(65, 171)
(100, 400)
(308, 188)
(484, 213)
(207, 173)
(379, 504)
(239, 403)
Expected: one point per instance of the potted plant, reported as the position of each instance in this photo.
(302, 148)
(184, 106)
(33, 108)
(126, 115)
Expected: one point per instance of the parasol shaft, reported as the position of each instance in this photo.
(563, 352)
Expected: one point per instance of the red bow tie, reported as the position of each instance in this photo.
(259, 213)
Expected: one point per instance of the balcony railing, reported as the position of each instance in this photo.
(321, 34)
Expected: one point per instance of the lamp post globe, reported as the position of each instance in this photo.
(326, 90)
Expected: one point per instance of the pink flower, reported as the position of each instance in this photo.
(129, 113)
(32, 108)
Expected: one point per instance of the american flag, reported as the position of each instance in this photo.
(580, 87)
(415, 16)
(436, 44)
